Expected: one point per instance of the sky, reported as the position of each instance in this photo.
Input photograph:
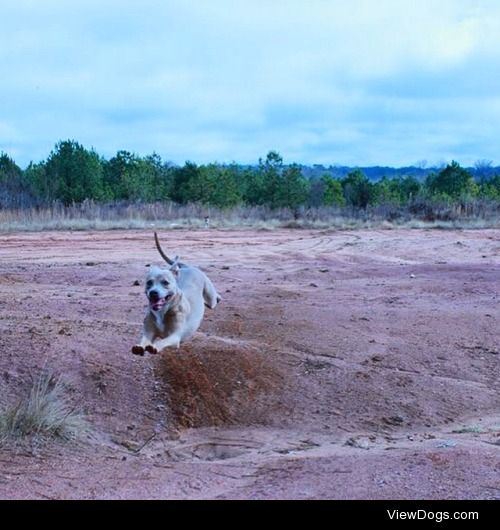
(333, 82)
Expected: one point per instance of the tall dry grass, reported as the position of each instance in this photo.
(91, 215)
(43, 413)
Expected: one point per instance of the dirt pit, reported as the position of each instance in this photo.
(340, 364)
(225, 384)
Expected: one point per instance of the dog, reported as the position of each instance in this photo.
(177, 297)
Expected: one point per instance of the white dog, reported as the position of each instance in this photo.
(177, 297)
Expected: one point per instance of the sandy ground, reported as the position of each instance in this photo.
(340, 365)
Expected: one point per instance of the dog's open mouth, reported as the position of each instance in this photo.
(158, 303)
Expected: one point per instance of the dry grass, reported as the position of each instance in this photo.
(90, 215)
(43, 414)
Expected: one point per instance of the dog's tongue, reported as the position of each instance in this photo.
(158, 304)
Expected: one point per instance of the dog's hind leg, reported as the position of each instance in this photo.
(210, 296)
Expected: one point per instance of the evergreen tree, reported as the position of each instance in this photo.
(14, 189)
(182, 190)
(358, 191)
(452, 182)
(292, 188)
(332, 191)
(71, 174)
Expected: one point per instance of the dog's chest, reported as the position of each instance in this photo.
(160, 322)
(166, 323)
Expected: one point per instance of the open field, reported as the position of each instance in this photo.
(340, 364)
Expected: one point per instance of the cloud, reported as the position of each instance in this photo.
(326, 81)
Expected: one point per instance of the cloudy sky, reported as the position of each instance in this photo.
(358, 82)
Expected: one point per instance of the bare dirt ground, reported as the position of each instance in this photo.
(340, 365)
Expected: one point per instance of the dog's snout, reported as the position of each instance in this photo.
(153, 295)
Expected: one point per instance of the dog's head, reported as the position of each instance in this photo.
(161, 287)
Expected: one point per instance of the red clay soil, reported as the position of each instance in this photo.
(340, 365)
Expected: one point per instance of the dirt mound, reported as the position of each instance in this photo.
(221, 384)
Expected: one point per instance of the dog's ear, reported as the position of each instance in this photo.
(175, 267)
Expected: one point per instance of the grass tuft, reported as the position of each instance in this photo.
(44, 413)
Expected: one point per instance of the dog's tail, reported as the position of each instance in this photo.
(175, 263)
(162, 254)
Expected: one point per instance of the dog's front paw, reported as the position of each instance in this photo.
(151, 349)
(137, 350)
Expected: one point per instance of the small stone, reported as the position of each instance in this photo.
(357, 443)
(446, 444)
(394, 420)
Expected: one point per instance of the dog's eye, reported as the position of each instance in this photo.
(149, 283)
(164, 282)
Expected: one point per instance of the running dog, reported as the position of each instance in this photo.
(177, 297)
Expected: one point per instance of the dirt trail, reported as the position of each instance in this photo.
(341, 364)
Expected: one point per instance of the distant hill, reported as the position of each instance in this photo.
(376, 173)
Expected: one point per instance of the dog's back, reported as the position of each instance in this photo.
(199, 292)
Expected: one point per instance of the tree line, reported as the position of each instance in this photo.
(72, 174)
